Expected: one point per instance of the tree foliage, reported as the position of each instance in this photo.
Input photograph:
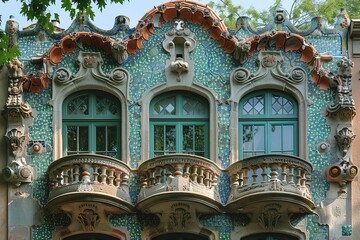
(300, 13)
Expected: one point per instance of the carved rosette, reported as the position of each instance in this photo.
(62, 76)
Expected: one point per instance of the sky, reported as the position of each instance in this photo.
(134, 9)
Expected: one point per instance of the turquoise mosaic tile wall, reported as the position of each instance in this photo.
(212, 69)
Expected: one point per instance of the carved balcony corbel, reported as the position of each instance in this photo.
(344, 107)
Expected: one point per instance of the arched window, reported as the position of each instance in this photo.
(268, 123)
(91, 236)
(180, 236)
(179, 123)
(91, 124)
(270, 236)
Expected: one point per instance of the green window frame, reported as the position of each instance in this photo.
(179, 123)
(268, 123)
(92, 124)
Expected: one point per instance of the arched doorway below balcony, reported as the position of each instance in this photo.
(270, 236)
(180, 236)
(91, 236)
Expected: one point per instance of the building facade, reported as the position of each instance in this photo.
(180, 128)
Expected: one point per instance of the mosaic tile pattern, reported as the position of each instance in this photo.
(212, 69)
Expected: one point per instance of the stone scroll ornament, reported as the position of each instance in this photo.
(19, 118)
(343, 170)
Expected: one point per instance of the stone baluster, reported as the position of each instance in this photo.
(207, 178)
(143, 182)
(96, 174)
(178, 169)
(167, 173)
(214, 180)
(117, 178)
(111, 176)
(291, 175)
(158, 171)
(151, 177)
(76, 174)
(245, 177)
(298, 177)
(263, 174)
(65, 176)
(254, 175)
(201, 176)
(59, 178)
(284, 174)
(187, 171)
(103, 174)
(274, 173)
(195, 174)
(241, 178)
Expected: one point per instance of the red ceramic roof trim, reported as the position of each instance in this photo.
(293, 42)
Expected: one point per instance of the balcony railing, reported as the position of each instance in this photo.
(91, 176)
(271, 176)
(179, 173)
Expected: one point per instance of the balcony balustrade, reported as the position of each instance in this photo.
(271, 178)
(179, 176)
(89, 177)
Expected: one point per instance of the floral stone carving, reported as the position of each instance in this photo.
(344, 139)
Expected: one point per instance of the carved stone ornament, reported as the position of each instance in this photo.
(344, 108)
(16, 141)
(179, 42)
(344, 139)
(269, 63)
(179, 66)
(18, 172)
(90, 65)
(270, 216)
(242, 48)
(118, 50)
(89, 220)
(342, 173)
(180, 217)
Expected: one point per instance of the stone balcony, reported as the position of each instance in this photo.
(170, 179)
(270, 179)
(91, 178)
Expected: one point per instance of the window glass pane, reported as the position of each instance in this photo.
(188, 139)
(78, 106)
(200, 138)
(288, 138)
(192, 106)
(254, 106)
(276, 138)
(72, 133)
(165, 107)
(106, 106)
(83, 139)
(281, 105)
(170, 133)
(100, 138)
(159, 138)
(112, 141)
(253, 140)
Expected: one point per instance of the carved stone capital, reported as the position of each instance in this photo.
(179, 217)
(16, 141)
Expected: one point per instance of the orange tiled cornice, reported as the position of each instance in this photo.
(294, 42)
